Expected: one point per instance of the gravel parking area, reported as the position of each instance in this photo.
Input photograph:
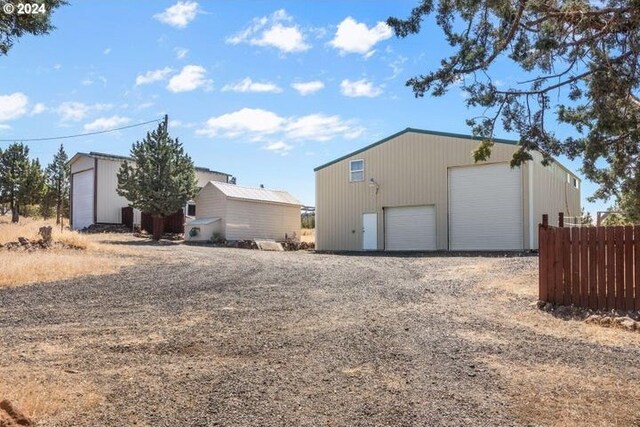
(216, 336)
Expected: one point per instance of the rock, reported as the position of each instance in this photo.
(548, 307)
(626, 322)
(629, 324)
(10, 416)
(594, 318)
(24, 241)
(45, 233)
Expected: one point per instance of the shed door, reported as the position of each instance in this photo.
(82, 215)
(410, 228)
(485, 208)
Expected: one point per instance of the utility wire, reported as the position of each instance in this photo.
(80, 134)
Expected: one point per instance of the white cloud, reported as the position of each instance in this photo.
(75, 111)
(105, 123)
(38, 109)
(145, 105)
(190, 78)
(355, 37)
(359, 88)
(258, 125)
(307, 88)
(275, 30)
(107, 51)
(4, 127)
(248, 85)
(13, 106)
(153, 76)
(279, 147)
(318, 127)
(181, 52)
(244, 121)
(180, 14)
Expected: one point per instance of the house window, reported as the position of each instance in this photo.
(191, 210)
(356, 170)
(575, 182)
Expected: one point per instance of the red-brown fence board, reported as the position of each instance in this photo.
(620, 267)
(594, 267)
(575, 266)
(602, 272)
(636, 252)
(611, 267)
(543, 279)
(628, 267)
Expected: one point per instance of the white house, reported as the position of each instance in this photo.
(232, 212)
(94, 180)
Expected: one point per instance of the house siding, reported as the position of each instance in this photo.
(109, 203)
(411, 169)
(256, 220)
(204, 177)
(552, 180)
(211, 203)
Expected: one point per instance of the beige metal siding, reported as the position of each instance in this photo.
(204, 177)
(82, 163)
(552, 194)
(211, 203)
(410, 170)
(109, 204)
(255, 220)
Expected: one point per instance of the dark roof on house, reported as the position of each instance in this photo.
(97, 155)
(413, 130)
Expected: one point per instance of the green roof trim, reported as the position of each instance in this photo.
(413, 130)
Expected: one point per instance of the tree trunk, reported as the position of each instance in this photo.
(58, 212)
(15, 214)
(158, 227)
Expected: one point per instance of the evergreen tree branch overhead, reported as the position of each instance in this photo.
(582, 59)
(161, 178)
(14, 25)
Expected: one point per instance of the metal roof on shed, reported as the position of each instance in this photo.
(257, 194)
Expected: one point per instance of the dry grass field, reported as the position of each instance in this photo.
(95, 255)
(308, 235)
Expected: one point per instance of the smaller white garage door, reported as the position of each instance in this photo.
(82, 200)
(410, 228)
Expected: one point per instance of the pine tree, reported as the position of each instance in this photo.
(58, 182)
(21, 181)
(575, 60)
(161, 178)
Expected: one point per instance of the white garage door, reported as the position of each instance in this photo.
(485, 208)
(82, 215)
(411, 228)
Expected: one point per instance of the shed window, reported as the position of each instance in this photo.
(356, 169)
(575, 182)
(191, 210)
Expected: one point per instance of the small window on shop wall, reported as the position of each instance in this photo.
(356, 169)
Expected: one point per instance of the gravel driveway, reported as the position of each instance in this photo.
(215, 336)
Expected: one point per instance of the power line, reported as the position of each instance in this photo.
(80, 134)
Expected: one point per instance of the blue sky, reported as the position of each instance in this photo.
(262, 90)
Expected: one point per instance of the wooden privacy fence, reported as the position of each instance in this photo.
(591, 267)
(172, 224)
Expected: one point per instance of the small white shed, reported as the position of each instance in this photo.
(233, 212)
